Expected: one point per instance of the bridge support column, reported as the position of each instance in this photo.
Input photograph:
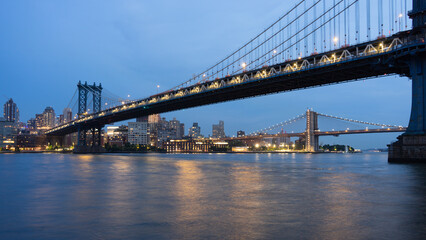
(411, 146)
(93, 146)
(311, 126)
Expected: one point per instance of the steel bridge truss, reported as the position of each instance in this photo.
(365, 60)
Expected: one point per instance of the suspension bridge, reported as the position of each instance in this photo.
(315, 43)
(306, 128)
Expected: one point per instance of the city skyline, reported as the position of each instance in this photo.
(115, 61)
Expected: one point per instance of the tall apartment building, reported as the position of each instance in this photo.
(139, 131)
(11, 111)
(49, 117)
(195, 131)
(218, 130)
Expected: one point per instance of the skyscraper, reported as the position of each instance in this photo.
(195, 131)
(39, 121)
(11, 111)
(176, 129)
(218, 130)
(67, 115)
(49, 117)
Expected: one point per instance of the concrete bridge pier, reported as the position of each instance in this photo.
(411, 146)
(89, 143)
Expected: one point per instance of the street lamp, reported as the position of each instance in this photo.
(335, 40)
(244, 65)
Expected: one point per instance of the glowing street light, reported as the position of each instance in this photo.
(335, 40)
(244, 65)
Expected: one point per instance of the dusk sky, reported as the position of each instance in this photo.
(130, 47)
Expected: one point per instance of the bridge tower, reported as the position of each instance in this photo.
(83, 92)
(311, 127)
(411, 146)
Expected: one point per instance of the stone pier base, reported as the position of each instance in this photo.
(89, 149)
(408, 149)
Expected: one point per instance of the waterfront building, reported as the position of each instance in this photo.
(195, 145)
(8, 132)
(11, 111)
(154, 130)
(26, 140)
(117, 135)
(139, 131)
(195, 131)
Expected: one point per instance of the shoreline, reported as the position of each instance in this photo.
(187, 152)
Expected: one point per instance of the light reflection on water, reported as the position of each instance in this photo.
(221, 196)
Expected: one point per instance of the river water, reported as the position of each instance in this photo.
(210, 196)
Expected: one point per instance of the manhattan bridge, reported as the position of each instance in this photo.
(315, 43)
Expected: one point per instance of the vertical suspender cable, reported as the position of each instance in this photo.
(323, 30)
(305, 50)
(380, 8)
(358, 19)
(368, 20)
(297, 36)
(315, 26)
(339, 29)
(393, 16)
(348, 22)
(330, 39)
(334, 22)
(288, 34)
(345, 16)
(406, 14)
(399, 11)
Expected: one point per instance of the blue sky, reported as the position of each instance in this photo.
(46, 46)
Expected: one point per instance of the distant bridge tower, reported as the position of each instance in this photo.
(311, 127)
(411, 146)
(83, 91)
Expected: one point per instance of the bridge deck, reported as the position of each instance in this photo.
(371, 59)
